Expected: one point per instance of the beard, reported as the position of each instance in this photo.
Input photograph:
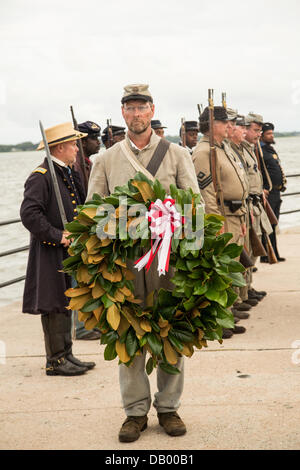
(138, 127)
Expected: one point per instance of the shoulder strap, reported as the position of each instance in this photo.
(158, 156)
(133, 160)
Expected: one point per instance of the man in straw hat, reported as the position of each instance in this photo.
(175, 166)
(45, 282)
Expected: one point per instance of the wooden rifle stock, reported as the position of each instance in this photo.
(270, 252)
(109, 133)
(270, 213)
(245, 259)
(183, 133)
(80, 153)
(256, 245)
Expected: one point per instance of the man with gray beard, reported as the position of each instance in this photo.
(114, 168)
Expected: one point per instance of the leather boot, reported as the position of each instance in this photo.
(132, 427)
(68, 345)
(64, 367)
(251, 302)
(227, 333)
(242, 315)
(54, 325)
(172, 423)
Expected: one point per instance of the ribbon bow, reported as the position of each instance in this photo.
(164, 219)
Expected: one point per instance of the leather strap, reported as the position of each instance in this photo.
(155, 161)
(158, 156)
(133, 160)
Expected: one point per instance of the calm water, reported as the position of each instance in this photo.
(15, 168)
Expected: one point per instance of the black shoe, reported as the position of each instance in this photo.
(253, 295)
(227, 333)
(242, 314)
(238, 330)
(280, 259)
(63, 367)
(254, 269)
(258, 292)
(77, 362)
(93, 334)
(242, 306)
(264, 259)
(252, 302)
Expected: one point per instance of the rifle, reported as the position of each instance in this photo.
(183, 135)
(257, 246)
(224, 104)
(272, 258)
(109, 133)
(80, 153)
(269, 211)
(213, 158)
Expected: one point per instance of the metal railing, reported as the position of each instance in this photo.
(24, 248)
(291, 194)
(10, 252)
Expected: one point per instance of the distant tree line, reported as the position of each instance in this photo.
(29, 146)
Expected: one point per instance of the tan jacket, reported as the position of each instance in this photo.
(232, 177)
(254, 174)
(113, 168)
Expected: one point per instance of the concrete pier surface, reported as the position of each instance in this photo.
(243, 394)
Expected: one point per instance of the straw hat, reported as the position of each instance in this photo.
(61, 133)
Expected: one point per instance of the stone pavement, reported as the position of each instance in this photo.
(243, 394)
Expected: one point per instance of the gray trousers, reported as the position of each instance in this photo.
(135, 388)
(134, 382)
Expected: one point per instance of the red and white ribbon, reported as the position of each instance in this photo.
(164, 219)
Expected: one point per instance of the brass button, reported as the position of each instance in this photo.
(73, 202)
(72, 194)
(75, 210)
(54, 244)
(49, 243)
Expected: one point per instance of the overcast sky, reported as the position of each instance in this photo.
(58, 53)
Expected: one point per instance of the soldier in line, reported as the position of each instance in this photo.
(191, 135)
(158, 128)
(241, 305)
(261, 224)
(135, 154)
(277, 176)
(257, 219)
(231, 178)
(117, 135)
(90, 145)
(45, 285)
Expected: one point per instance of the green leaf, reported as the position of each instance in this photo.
(91, 305)
(235, 267)
(149, 365)
(237, 279)
(154, 343)
(107, 338)
(110, 352)
(160, 193)
(233, 250)
(231, 297)
(174, 341)
(200, 289)
(132, 344)
(182, 335)
(168, 368)
(106, 301)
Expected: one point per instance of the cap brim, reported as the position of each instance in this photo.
(78, 135)
(136, 97)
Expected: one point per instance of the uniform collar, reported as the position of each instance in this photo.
(59, 162)
(153, 140)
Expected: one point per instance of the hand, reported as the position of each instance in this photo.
(222, 230)
(243, 230)
(265, 193)
(64, 241)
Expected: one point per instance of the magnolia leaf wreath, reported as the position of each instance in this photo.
(108, 232)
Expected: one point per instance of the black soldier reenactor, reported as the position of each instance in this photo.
(277, 176)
